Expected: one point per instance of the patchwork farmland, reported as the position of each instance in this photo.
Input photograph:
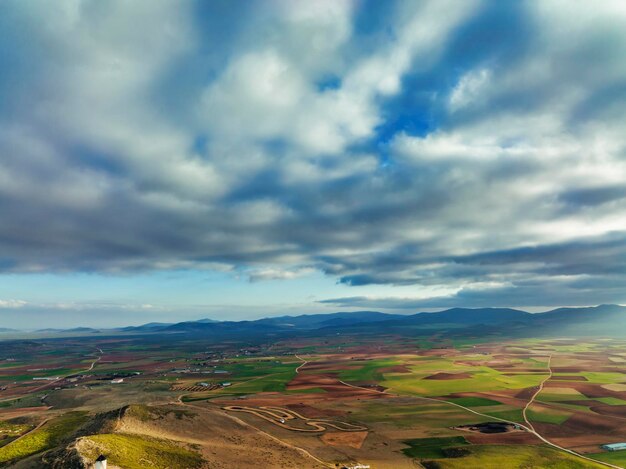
(387, 404)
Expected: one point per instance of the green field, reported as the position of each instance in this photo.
(429, 394)
(482, 379)
(519, 457)
(367, 370)
(432, 448)
(545, 415)
(473, 401)
(614, 457)
(610, 400)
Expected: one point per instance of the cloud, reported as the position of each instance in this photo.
(12, 304)
(260, 275)
(428, 146)
(468, 88)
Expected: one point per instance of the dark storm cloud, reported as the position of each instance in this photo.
(471, 148)
(532, 294)
(593, 196)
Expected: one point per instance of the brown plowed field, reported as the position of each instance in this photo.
(448, 376)
(352, 439)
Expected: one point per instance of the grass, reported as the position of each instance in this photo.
(518, 456)
(482, 379)
(249, 377)
(368, 371)
(10, 428)
(432, 448)
(513, 415)
(473, 401)
(146, 414)
(137, 452)
(611, 400)
(416, 415)
(45, 437)
(614, 457)
(561, 395)
(599, 377)
(543, 415)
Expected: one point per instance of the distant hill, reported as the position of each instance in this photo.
(599, 320)
(315, 321)
(72, 330)
(470, 316)
(602, 320)
(157, 326)
(609, 320)
(81, 329)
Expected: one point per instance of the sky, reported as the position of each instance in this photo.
(174, 160)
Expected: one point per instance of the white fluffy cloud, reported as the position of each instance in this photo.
(280, 137)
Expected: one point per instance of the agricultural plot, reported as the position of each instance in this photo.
(520, 456)
(384, 404)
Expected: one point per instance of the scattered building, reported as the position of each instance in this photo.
(614, 447)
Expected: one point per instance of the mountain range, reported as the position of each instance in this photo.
(602, 320)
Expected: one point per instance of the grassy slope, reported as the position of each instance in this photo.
(613, 457)
(135, 452)
(45, 437)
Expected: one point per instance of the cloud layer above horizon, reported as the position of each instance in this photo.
(475, 149)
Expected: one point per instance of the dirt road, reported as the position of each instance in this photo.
(528, 427)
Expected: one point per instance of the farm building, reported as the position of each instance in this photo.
(614, 447)
(117, 381)
(101, 462)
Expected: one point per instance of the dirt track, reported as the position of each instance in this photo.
(527, 427)
(281, 417)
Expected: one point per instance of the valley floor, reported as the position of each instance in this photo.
(386, 402)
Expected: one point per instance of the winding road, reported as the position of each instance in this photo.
(534, 396)
(528, 427)
(304, 362)
(281, 417)
(269, 435)
(51, 382)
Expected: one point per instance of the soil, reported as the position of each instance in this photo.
(448, 376)
(352, 439)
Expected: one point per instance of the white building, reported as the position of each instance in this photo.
(615, 447)
(101, 462)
